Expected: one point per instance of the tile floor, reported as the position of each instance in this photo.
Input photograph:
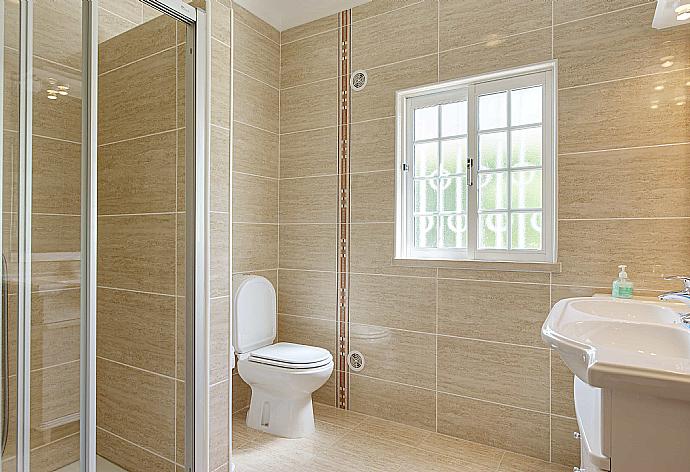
(367, 444)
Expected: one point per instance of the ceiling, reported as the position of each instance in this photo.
(284, 14)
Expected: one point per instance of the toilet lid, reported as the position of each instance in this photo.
(292, 356)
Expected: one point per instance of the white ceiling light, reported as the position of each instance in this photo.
(284, 14)
(671, 13)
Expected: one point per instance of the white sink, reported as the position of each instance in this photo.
(632, 391)
(608, 341)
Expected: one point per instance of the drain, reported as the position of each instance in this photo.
(358, 80)
(355, 360)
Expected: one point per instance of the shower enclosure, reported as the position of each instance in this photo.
(104, 235)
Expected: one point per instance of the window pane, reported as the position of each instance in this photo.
(525, 187)
(526, 230)
(493, 231)
(493, 191)
(525, 106)
(526, 147)
(425, 159)
(425, 229)
(493, 151)
(453, 231)
(454, 156)
(426, 196)
(454, 119)
(426, 123)
(453, 194)
(493, 111)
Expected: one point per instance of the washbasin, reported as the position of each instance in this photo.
(609, 342)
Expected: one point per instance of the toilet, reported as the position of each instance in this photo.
(282, 376)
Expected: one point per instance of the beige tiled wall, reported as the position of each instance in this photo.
(256, 145)
(459, 351)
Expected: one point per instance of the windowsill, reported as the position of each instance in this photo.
(552, 267)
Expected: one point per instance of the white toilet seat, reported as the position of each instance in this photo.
(291, 356)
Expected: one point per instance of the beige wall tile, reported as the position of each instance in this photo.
(256, 104)
(486, 20)
(111, 25)
(254, 247)
(181, 85)
(618, 45)
(307, 293)
(219, 259)
(569, 10)
(619, 114)
(219, 181)
(129, 455)
(562, 402)
(256, 151)
(129, 9)
(138, 176)
(379, 7)
(256, 55)
(137, 42)
(393, 401)
(371, 251)
(311, 247)
(309, 29)
(137, 252)
(509, 428)
(310, 59)
(309, 153)
(309, 200)
(57, 32)
(372, 146)
(58, 454)
(493, 311)
(495, 275)
(255, 199)
(308, 331)
(372, 197)
(56, 173)
(399, 356)
(254, 22)
(137, 329)
(219, 340)
(385, 301)
(137, 406)
(496, 54)
(219, 425)
(55, 394)
(241, 394)
(565, 449)
(309, 107)
(377, 100)
(502, 373)
(590, 251)
(180, 311)
(647, 182)
(519, 463)
(220, 85)
(326, 395)
(146, 106)
(180, 422)
(59, 118)
(377, 40)
(221, 21)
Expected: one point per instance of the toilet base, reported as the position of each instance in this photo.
(291, 417)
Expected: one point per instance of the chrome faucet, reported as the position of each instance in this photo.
(681, 296)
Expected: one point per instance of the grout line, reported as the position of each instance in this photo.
(160, 213)
(133, 23)
(135, 291)
(620, 79)
(594, 151)
(255, 175)
(532, 410)
(604, 13)
(175, 379)
(135, 445)
(172, 130)
(34, 135)
(337, 175)
(255, 30)
(308, 129)
(628, 218)
(237, 71)
(290, 87)
(149, 56)
(235, 120)
(220, 41)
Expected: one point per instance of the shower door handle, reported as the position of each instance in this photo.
(5, 361)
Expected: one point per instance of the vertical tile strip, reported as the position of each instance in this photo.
(343, 342)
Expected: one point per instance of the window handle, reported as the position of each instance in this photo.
(470, 167)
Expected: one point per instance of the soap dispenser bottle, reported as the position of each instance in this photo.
(622, 286)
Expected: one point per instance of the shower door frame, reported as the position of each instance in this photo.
(197, 128)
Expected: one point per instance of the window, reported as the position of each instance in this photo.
(476, 174)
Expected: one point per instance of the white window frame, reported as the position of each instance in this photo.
(471, 88)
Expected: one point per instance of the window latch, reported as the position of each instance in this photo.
(405, 167)
(470, 167)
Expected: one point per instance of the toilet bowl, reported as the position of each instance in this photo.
(282, 376)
